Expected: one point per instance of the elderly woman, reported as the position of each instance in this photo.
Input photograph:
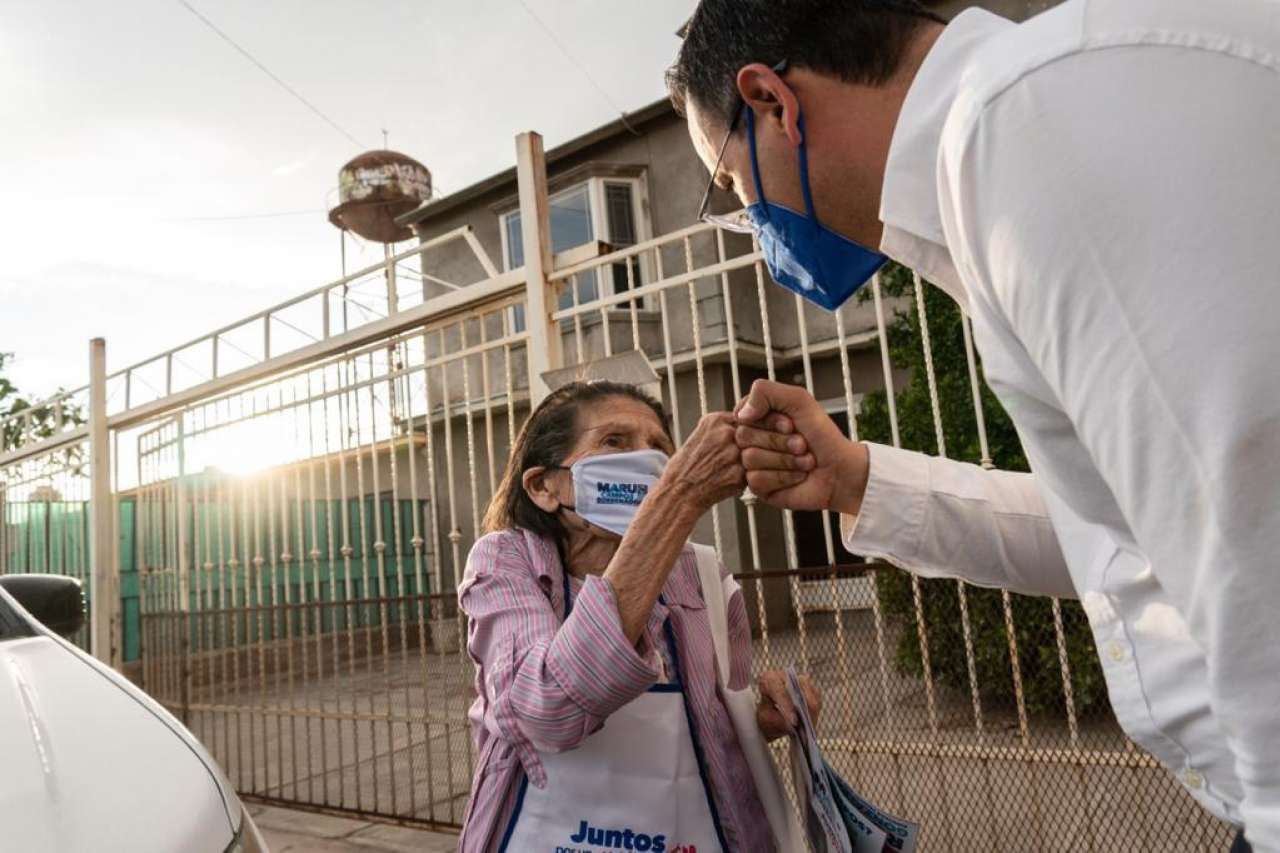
(599, 720)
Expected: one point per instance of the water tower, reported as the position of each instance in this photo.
(375, 188)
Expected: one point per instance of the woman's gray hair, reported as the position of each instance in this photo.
(546, 439)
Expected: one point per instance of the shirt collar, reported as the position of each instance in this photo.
(909, 202)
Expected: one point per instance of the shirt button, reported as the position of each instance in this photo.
(1192, 779)
(1117, 651)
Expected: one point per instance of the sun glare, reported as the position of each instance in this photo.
(249, 447)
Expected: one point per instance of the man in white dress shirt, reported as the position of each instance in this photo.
(1099, 187)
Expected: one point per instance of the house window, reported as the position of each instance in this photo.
(599, 208)
(571, 224)
(620, 210)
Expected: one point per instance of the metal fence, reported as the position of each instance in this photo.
(44, 515)
(298, 612)
(293, 498)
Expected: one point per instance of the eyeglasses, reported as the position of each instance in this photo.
(738, 221)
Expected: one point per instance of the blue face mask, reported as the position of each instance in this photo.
(802, 255)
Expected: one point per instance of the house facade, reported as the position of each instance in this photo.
(628, 182)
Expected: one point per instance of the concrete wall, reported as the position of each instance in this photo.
(672, 175)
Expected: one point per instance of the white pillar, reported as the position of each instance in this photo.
(102, 551)
(544, 351)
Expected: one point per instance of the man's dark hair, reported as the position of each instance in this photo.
(858, 41)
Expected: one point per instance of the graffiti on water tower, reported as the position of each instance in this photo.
(407, 179)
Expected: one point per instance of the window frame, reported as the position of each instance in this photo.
(596, 201)
(643, 228)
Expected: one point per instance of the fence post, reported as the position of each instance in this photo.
(544, 350)
(102, 552)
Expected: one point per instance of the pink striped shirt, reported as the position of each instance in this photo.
(544, 683)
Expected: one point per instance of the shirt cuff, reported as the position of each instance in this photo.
(891, 521)
(591, 658)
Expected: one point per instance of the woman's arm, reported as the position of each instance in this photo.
(648, 552)
(706, 470)
(548, 685)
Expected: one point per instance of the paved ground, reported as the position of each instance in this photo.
(289, 831)
(389, 736)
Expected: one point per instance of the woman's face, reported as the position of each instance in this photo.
(613, 425)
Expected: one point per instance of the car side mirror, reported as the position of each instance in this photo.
(57, 601)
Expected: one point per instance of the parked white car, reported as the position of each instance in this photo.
(90, 762)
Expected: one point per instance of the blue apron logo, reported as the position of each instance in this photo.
(617, 839)
(628, 494)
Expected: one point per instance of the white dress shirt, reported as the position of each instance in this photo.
(1101, 187)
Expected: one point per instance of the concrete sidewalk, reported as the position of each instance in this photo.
(289, 831)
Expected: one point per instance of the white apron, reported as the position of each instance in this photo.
(636, 785)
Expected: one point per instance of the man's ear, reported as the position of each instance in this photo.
(771, 98)
(537, 485)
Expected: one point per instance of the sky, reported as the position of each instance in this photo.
(155, 184)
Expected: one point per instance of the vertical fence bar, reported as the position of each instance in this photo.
(435, 573)
(748, 499)
(181, 565)
(348, 598)
(788, 524)
(102, 554)
(393, 290)
(273, 571)
(694, 323)
(486, 389)
(380, 565)
(365, 585)
(117, 610)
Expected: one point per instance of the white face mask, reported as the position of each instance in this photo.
(609, 487)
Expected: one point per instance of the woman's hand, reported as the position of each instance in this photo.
(707, 468)
(775, 714)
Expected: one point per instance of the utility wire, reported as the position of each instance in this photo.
(265, 70)
(240, 216)
(585, 73)
(313, 108)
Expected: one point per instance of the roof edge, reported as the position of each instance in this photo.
(623, 124)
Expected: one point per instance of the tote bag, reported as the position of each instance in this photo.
(742, 708)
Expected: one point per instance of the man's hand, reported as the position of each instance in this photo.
(775, 714)
(784, 433)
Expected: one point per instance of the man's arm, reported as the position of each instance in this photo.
(941, 518)
(935, 517)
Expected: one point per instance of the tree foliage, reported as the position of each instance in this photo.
(1035, 632)
(39, 422)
